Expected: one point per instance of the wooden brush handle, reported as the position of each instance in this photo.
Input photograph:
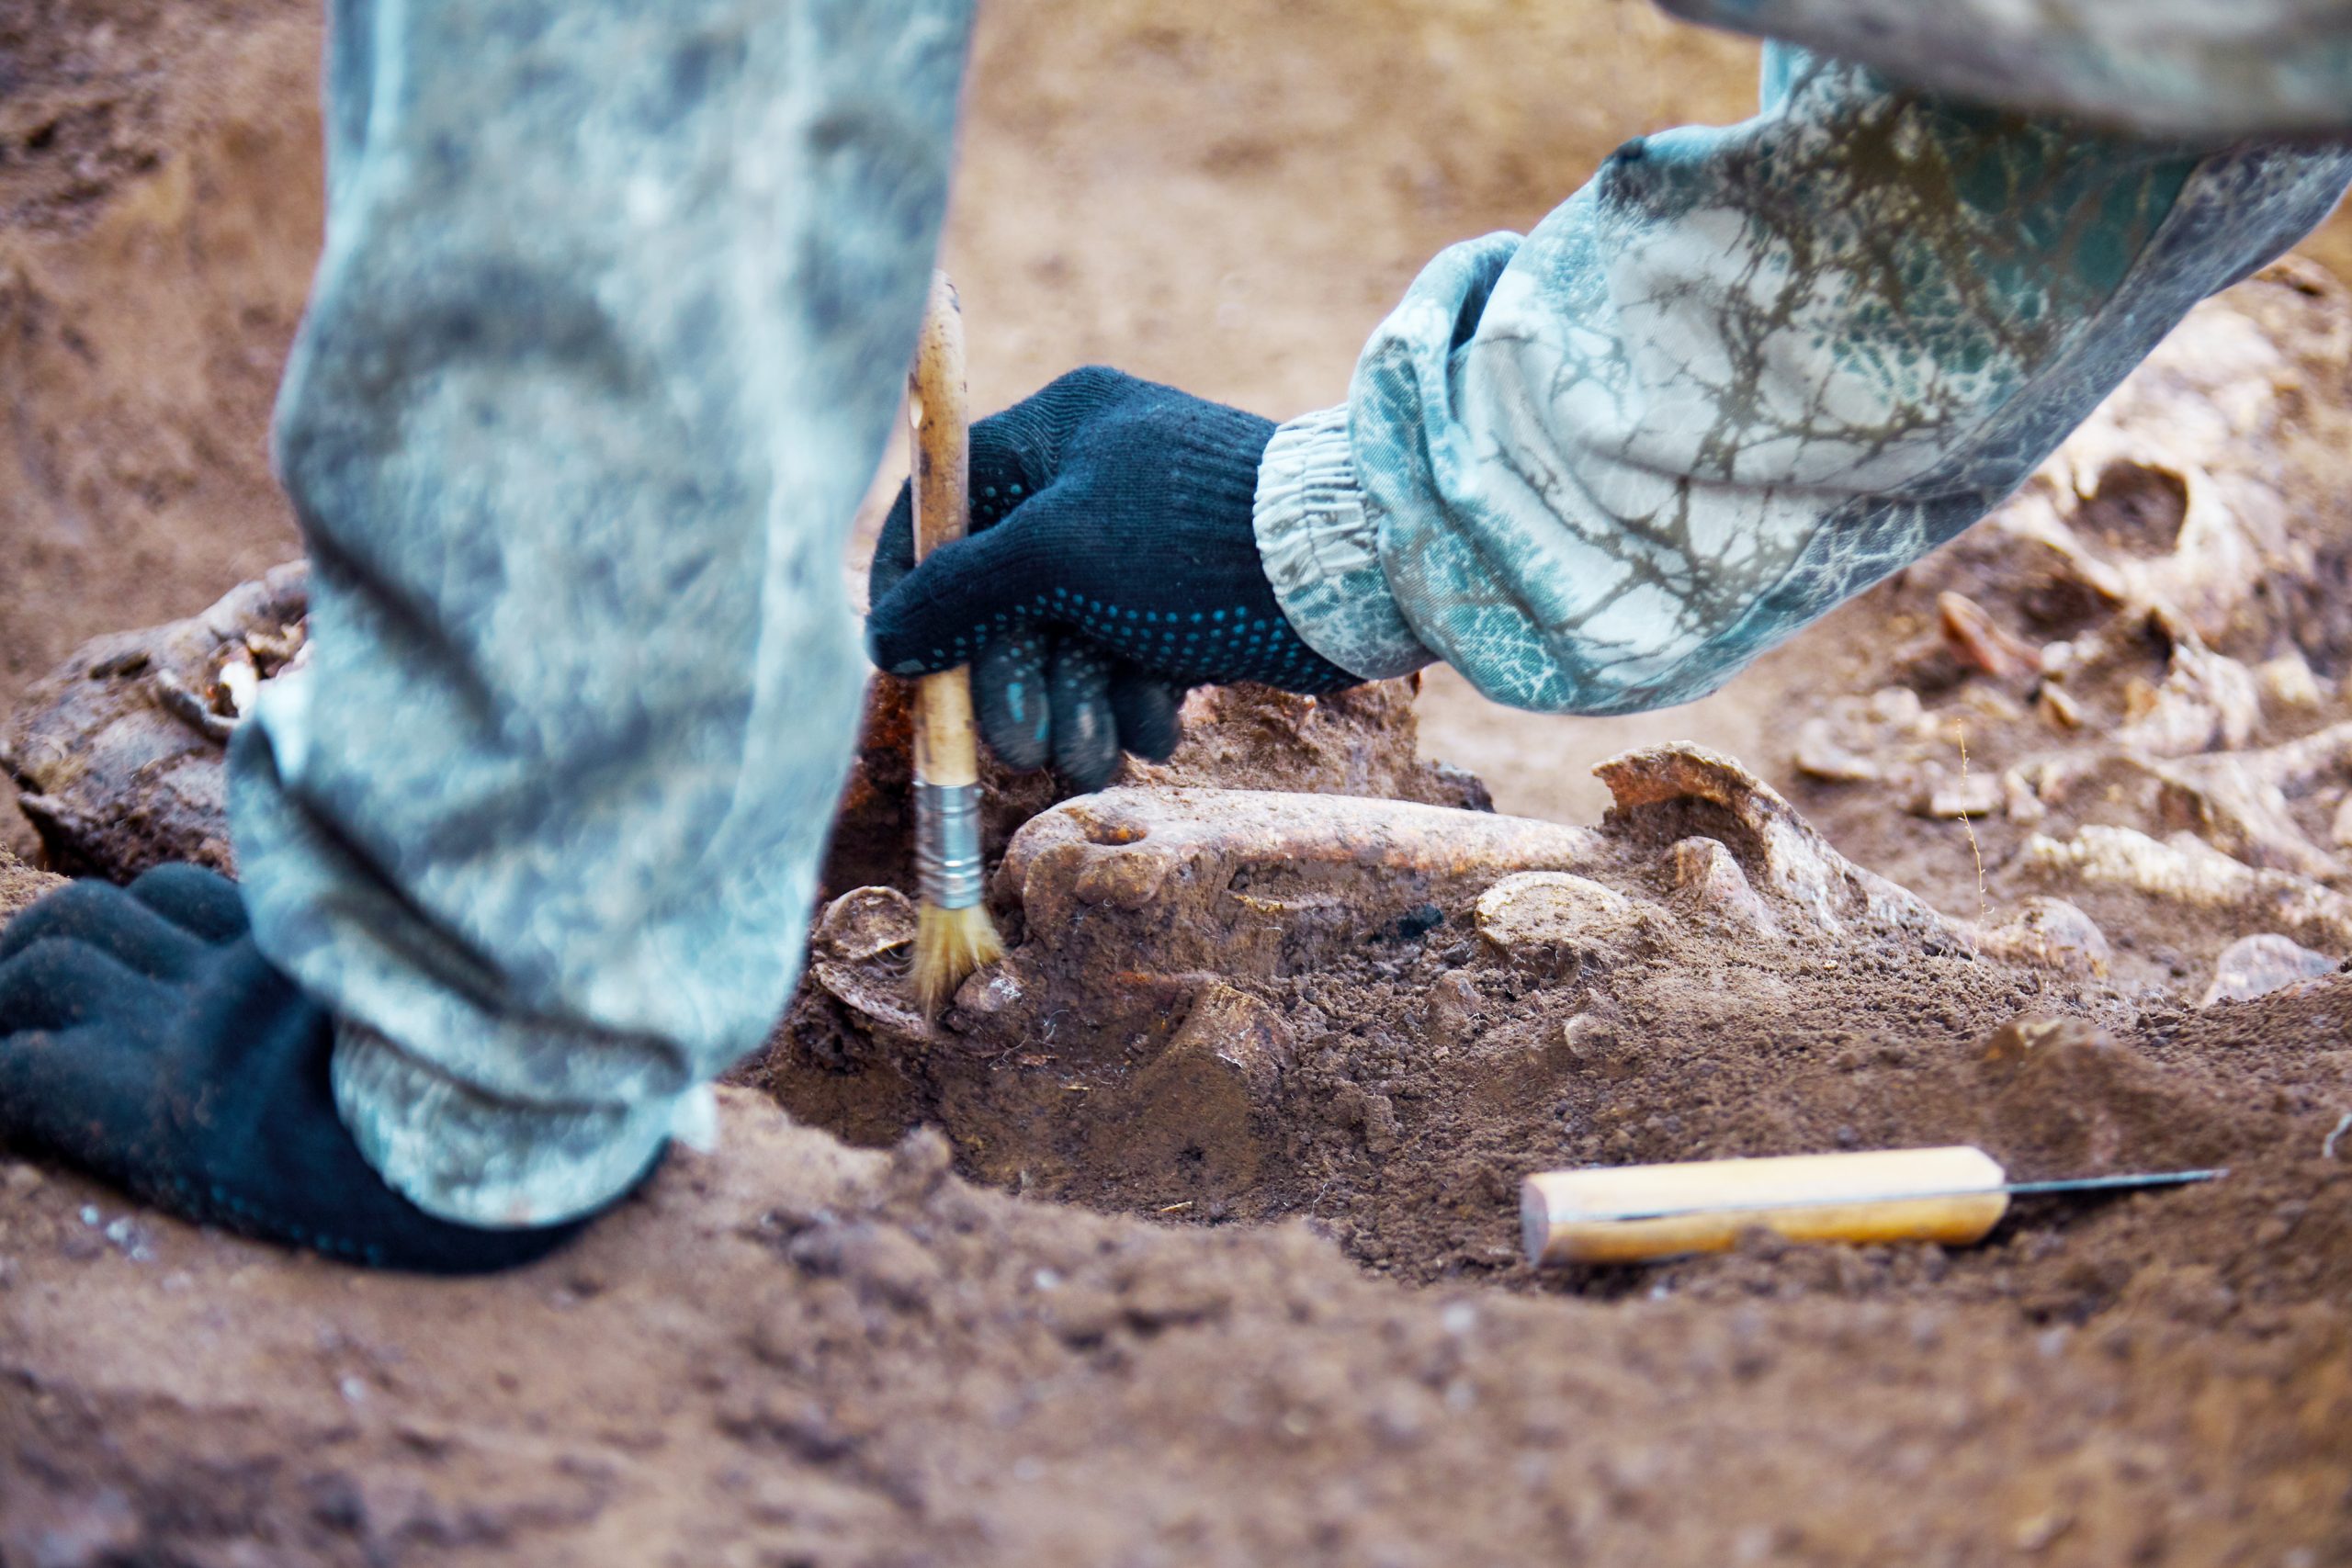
(946, 748)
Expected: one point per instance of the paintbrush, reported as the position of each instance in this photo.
(954, 934)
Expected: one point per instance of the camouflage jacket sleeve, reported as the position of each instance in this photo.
(2216, 69)
(1744, 374)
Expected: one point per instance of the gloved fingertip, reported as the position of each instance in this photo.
(60, 983)
(1085, 734)
(196, 898)
(1008, 690)
(895, 651)
(960, 597)
(1089, 764)
(1145, 711)
(103, 919)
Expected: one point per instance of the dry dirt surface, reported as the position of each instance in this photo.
(1187, 1236)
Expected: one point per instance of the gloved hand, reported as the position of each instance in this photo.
(144, 1038)
(1112, 564)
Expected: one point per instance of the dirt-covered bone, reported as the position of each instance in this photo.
(1161, 888)
(2185, 869)
(2241, 802)
(1253, 883)
(1679, 782)
(119, 755)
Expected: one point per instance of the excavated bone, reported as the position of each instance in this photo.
(859, 954)
(2256, 965)
(2059, 707)
(1707, 878)
(1789, 858)
(1829, 891)
(1820, 756)
(2287, 683)
(2174, 495)
(2186, 870)
(2238, 801)
(2187, 429)
(2204, 701)
(2019, 803)
(1946, 797)
(119, 753)
(1551, 920)
(1243, 881)
(1981, 642)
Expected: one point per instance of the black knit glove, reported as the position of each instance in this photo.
(1112, 565)
(145, 1040)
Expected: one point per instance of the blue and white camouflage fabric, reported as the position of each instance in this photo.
(1742, 375)
(605, 342)
(605, 346)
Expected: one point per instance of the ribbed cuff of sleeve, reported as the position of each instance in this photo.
(467, 1157)
(1319, 544)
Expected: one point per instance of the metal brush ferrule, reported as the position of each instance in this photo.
(947, 844)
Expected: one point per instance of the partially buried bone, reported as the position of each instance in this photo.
(2239, 801)
(1257, 883)
(1787, 856)
(119, 753)
(1131, 899)
(2186, 871)
(2263, 964)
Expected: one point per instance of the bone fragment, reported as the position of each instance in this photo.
(1550, 920)
(2019, 800)
(2204, 701)
(1788, 857)
(1968, 795)
(120, 752)
(859, 953)
(172, 696)
(2185, 869)
(1707, 877)
(2239, 801)
(240, 684)
(1979, 641)
(1820, 756)
(2287, 683)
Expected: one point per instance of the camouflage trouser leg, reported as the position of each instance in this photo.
(602, 351)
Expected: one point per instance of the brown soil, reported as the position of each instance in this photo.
(1211, 1258)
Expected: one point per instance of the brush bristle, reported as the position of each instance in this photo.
(950, 944)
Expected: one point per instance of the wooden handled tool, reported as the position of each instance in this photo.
(952, 934)
(1637, 1212)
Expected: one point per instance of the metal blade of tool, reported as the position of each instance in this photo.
(2014, 1189)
